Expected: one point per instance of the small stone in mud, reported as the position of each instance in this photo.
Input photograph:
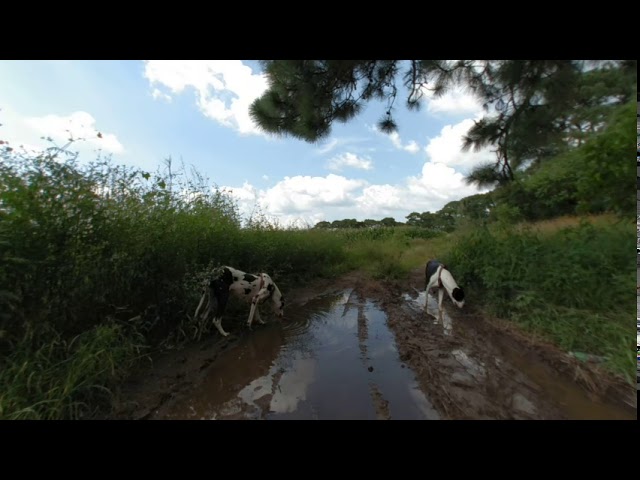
(462, 379)
(519, 402)
(402, 365)
(370, 369)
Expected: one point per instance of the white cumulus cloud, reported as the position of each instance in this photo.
(305, 200)
(157, 94)
(300, 200)
(307, 194)
(437, 185)
(81, 126)
(411, 146)
(224, 88)
(348, 159)
(456, 101)
(446, 148)
(78, 125)
(380, 201)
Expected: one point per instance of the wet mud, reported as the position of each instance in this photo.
(355, 348)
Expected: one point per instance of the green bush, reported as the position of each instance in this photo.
(85, 245)
(571, 286)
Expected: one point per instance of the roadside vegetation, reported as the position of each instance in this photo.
(102, 265)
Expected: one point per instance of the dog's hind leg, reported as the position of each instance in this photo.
(221, 292)
(218, 323)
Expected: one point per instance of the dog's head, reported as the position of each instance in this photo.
(457, 295)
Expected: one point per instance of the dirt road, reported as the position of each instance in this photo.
(354, 348)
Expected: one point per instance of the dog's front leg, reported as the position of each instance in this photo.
(429, 291)
(258, 298)
(258, 319)
(426, 297)
(440, 298)
(253, 311)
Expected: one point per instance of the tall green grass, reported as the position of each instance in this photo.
(389, 252)
(572, 286)
(116, 254)
(67, 378)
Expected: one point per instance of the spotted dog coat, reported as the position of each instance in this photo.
(438, 277)
(253, 288)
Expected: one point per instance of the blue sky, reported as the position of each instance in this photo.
(197, 111)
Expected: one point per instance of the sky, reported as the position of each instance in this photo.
(197, 112)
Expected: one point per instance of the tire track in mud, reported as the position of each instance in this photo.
(380, 404)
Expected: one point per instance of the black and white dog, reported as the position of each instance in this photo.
(253, 288)
(438, 277)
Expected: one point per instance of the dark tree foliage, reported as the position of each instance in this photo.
(535, 109)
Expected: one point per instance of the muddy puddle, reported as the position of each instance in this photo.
(366, 349)
(519, 385)
(331, 358)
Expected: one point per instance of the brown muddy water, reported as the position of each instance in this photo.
(332, 358)
(335, 356)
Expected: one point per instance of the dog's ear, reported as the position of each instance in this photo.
(458, 294)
